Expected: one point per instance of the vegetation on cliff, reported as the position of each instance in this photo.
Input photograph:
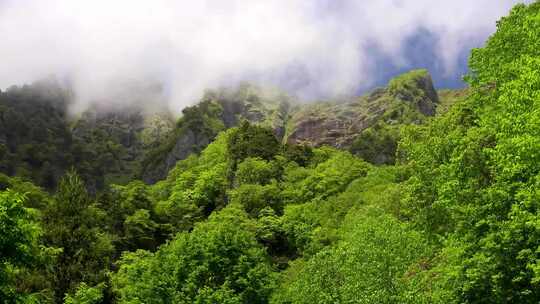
(450, 217)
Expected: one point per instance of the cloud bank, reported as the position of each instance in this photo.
(313, 48)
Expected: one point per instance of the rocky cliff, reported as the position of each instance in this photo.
(407, 99)
(218, 110)
(366, 125)
(115, 145)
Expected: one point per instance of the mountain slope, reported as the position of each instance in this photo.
(218, 110)
(114, 145)
(40, 141)
(407, 99)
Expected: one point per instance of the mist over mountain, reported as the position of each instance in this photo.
(311, 49)
(139, 137)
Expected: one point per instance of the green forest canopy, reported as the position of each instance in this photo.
(250, 220)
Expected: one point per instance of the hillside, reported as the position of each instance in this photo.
(404, 195)
(217, 111)
(115, 145)
(368, 125)
(409, 99)
(39, 140)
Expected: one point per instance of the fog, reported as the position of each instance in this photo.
(313, 49)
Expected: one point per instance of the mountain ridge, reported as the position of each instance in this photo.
(116, 144)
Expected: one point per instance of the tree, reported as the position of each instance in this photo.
(377, 144)
(220, 260)
(250, 141)
(85, 295)
(253, 198)
(370, 265)
(74, 223)
(255, 171)
(20, 246)
(475, 172)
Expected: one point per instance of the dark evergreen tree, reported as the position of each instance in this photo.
(75, 224)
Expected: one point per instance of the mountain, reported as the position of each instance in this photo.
(368, 125)
(409, 99)
(218, 110)
(35, 139)
(122, 138)
(40, 141)
(404, 195)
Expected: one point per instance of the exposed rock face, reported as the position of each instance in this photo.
(111, 145)
(338, 124)
(408, 98)
(185, 145)
(217, 111)
(417, 88)
(188, 142)
(332, 125)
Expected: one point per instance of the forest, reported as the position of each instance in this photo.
(437, 201)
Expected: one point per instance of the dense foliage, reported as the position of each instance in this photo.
(40, 141)
(33, 134)
(19, 242)
(476, 173)
(449, 215)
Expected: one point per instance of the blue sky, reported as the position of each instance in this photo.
(420, 54)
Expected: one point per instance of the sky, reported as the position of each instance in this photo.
(313, 49)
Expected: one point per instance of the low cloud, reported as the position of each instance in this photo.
(314, 49)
